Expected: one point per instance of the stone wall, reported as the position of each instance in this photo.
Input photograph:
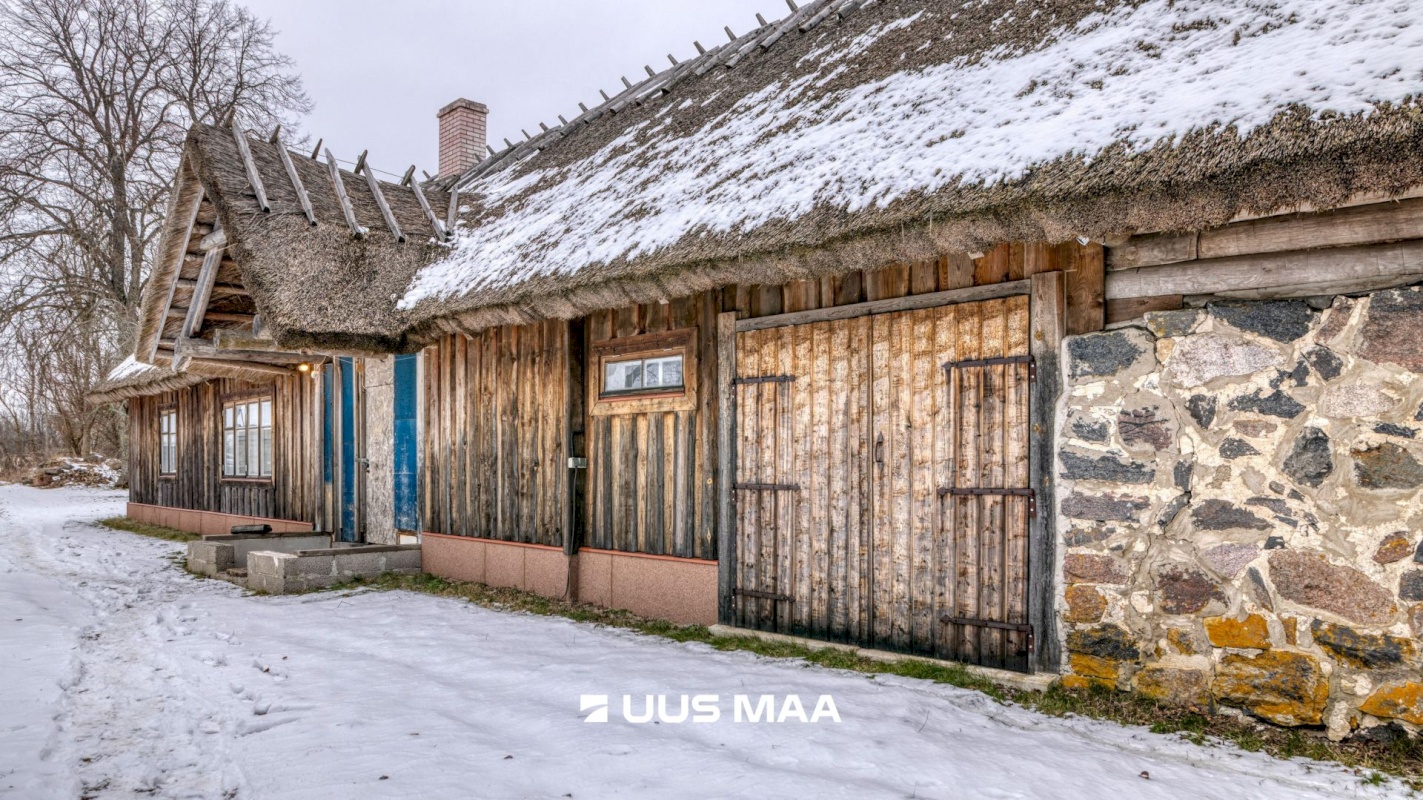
(1240, 511)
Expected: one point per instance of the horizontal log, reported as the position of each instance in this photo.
(250, 366)
(1384, 222)
(1132, 308)
(212, 316)
(1345, 227)
(218, 289)
(1152, 249)
(907, 303)
(205, 348)
(1342, 266)
(1310, 289)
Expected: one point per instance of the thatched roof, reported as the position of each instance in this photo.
(856, 134)
(132, 378)
(315, 285)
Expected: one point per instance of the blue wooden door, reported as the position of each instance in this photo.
(407, 443)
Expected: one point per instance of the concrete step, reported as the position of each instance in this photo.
(236, 572)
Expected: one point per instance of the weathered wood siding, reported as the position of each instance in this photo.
(650, 473)
(495, 434)
(293, 491)
(847, 431)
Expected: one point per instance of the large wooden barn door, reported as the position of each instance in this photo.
(881, 485)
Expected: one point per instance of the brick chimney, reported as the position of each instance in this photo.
(462, 135)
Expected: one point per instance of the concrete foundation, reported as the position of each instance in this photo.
(275, 572)
(214, 555)
(682, 590)
(206, 523)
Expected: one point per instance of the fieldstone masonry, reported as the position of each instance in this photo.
(1241, 509)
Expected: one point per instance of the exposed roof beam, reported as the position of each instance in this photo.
(207, 276)
(212, 316)
(253, 366)
(214, 241)
(429, 213)
(340, 185)
(206, 348)
(252, 176)
(385, 211)
(294, 177)
(192, 214)
(218, 289)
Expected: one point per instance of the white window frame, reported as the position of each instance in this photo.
(168, 441)
(247, 436)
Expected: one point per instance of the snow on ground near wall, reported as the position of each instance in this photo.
(122, 674)
(1139, 75)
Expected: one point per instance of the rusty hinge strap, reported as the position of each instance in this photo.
(785, 598)
(988, 362)
(986, 623)
(769, 487)
(981, 491)
(764, 379)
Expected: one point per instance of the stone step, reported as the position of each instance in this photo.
(236, 572)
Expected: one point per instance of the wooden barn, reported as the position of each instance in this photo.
(922, 327)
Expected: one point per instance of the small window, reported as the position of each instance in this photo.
(247, 439)
(643, 375)
(168, 442)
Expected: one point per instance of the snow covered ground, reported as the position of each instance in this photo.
(122, 675)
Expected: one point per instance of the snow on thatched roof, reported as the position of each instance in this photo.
(132, 378)
(846, 140)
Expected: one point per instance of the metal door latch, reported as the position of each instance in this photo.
(574, 462)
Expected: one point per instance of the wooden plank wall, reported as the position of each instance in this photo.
(635, 508)
(495, 434)
(1081, 265)
(650, 473)
(293, 492)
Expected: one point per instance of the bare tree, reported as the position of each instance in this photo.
(96, 97)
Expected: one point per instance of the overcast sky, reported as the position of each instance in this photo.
(379, 70)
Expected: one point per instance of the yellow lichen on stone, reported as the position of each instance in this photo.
(1403, 701)
(1251, 632)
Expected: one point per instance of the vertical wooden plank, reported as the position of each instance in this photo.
(820, 457)
(923, 485)
(726, 461)
(941, 423)
(882, 522)
(850, 289)
(1047, 329)
(749, 410)
(955, 271)
(924, 276)
(1084, 269)
(991, 475)
(967, 518)
(993, 266)
(1015, 547)
(888, 282)
(900, 458)
(833, 364)
(861, 475)
(800, 443)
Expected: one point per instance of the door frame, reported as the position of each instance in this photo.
(1047, 316)
(345, 409)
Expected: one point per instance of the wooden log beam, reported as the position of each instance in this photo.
(339, 184)
(385, 211)
(207, 348)
(253, 177)
(213, 241)
(1047, 309)
(194, 200)
(969, 294)
(429, 213)
(252, 366)
(1340, 266)
(218, 289)
(202, 289)
(1344, 227)
(726, 465)
(213, 316)
(292, 175)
